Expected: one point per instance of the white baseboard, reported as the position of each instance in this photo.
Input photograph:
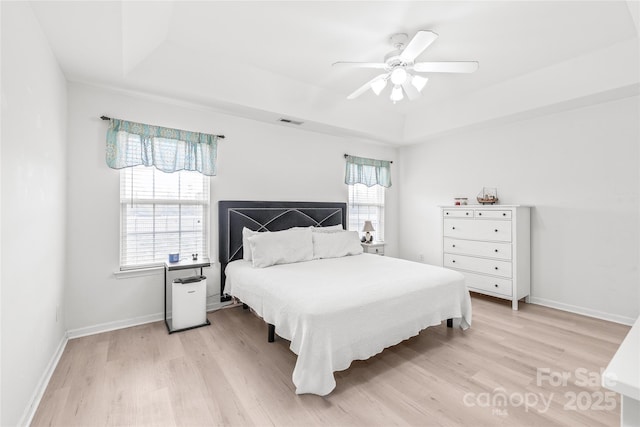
(34, 402)
(112, 326)
(584, 311)
(127, 323)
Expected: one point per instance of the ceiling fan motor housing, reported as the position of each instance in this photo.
(393, 60)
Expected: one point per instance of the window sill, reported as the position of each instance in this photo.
(139, 272)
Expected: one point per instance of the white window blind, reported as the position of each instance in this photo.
(367, 203)
(162, 213)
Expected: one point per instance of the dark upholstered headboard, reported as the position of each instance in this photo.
(233, 216)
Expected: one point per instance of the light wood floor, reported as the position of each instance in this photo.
(227, 374)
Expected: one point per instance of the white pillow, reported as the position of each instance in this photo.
(246, 248)
(281, 247)
(336, 245)
(246, 233)
(328, 229)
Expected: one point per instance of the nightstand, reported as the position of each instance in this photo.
(376, 248)
(181, 297)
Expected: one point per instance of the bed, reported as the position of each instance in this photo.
(334, 310)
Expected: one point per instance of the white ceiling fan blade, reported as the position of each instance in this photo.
(362, 89)
(410, 90)
(418, 44)
(380, 65)
(446, 67)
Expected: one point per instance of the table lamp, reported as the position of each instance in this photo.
(368, 228)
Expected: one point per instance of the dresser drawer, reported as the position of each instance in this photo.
(480, 265)
(490, 213)
(458, 213)
(490, 284)
(491, 230)
(473, 247)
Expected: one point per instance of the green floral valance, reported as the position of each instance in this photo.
(369, 172)
(169, 150)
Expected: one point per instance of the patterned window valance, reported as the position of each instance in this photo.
(369, 172)
(169, 150)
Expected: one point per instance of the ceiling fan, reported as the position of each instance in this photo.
(399, 64)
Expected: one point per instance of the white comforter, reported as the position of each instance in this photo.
(338, 310)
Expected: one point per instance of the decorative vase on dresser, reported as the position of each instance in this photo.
(491, 246)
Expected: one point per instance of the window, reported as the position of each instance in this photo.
(367, 203)
(162, 213)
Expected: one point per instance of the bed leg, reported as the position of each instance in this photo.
(449, 323)
(272, 333)
(244, 306)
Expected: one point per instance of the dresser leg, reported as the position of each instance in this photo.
(514, 304)
(449, 323)
(272, 333)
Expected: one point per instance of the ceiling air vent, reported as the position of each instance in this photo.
(291, 122)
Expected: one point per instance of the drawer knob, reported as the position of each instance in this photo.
(496, 285)
(447, 213)
(453, 246)
(453, 228)
(496, 268)
(467, 213)
(496, 230)
(479, 213)
(504, 214)
(495, 250)
(453, 260)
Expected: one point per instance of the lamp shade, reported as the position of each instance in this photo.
(396, 94)
(418, 82)
(378, 86)
(368, 226)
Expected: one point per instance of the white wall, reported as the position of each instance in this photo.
(256, 161)
(579, 169)
(34, 120)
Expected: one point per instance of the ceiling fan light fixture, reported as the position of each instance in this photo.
(396, 94)
(398, 76)
(378, 86)
(419, 82)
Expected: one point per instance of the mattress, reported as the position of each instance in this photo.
(335, 311)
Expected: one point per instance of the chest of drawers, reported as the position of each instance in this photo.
(491, 246)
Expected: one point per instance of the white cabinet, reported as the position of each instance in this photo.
(490, 245)
(189, 302)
